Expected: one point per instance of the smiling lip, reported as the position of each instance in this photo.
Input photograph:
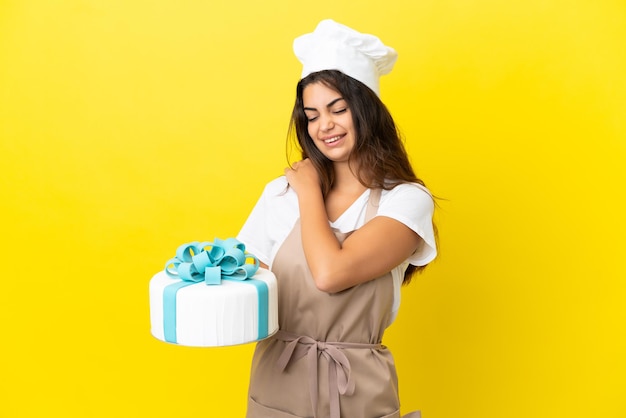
(333, 139)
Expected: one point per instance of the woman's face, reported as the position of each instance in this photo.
(329, 121)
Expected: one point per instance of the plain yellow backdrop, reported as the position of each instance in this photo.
(130, 127)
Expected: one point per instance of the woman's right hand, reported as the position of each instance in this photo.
(303, 176)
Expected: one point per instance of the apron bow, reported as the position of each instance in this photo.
(340, 381)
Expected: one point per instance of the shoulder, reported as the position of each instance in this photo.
(276, 186)
(278, 195)
(413, 194)
(412, 205)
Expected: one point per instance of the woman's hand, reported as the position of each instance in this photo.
(303, 176)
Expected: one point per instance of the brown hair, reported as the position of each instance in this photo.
(382, 161)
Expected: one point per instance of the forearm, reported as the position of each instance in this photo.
(321, 247)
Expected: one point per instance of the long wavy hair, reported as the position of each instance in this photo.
(379, 155)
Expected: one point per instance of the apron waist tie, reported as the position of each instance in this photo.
(340, 380)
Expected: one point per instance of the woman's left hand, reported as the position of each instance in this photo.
(303, 176)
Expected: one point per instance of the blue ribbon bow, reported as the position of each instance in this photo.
(212, 262)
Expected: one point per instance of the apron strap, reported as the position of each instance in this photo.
(372, 204)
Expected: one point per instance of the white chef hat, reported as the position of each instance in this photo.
(333, 46)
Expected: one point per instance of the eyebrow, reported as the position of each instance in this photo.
(329, 105)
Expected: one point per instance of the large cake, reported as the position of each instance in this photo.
(210, 295)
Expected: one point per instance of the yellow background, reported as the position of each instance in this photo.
(130, 127)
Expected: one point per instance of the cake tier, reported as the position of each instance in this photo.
(233, 312)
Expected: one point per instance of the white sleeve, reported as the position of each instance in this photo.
(254, 234)
(270, 221)
(412, 205)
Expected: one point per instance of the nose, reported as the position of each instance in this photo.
(326, 123)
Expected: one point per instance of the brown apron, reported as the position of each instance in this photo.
(327, 360)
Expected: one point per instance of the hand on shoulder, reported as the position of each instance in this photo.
(302, 176)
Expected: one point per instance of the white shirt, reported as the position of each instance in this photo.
(276, 213)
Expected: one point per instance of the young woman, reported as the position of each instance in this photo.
(341, 230)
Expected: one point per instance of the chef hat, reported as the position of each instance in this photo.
(333, 46)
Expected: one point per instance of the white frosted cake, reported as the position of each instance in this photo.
(203, 313)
